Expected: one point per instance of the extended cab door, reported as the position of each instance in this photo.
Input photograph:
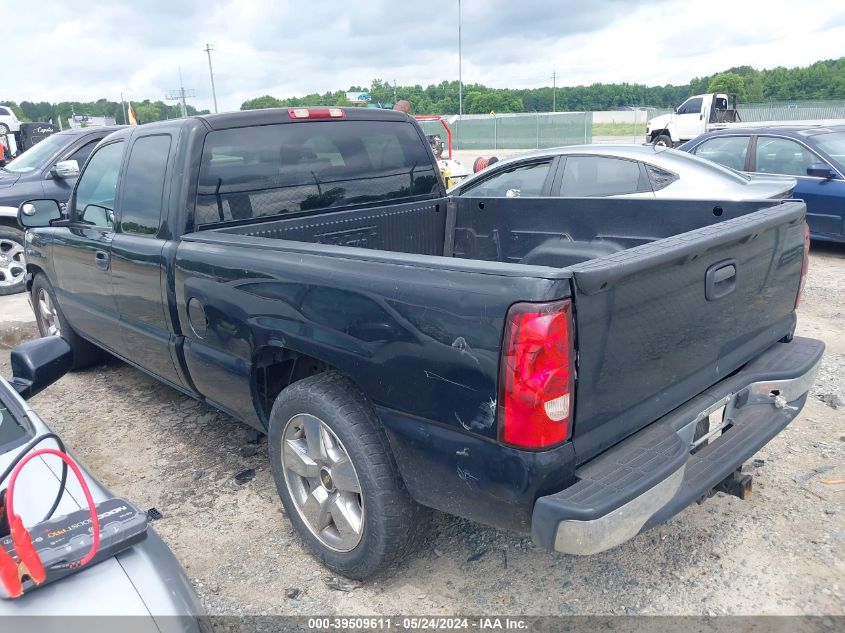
(689, 119)
(82, 253)
(139, 268)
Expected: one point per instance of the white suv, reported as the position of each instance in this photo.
(8, 121)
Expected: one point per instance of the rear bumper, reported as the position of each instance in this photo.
(652, 475)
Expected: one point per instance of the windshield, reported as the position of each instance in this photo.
(833, 145)
(35, 157)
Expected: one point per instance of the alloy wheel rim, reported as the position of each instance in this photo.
(322, 482)
(47, 314)
(12, 263)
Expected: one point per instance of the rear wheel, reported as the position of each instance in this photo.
(4, 129)
(663, 140)
(51, 322)
(337, 478)
(12, 262)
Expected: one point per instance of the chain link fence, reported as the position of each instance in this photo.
(792, 111)
(537, 130)
(516, 131)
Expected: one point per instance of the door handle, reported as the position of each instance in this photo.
(720, 280)
(102, 259)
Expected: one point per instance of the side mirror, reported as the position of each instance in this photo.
(820, 170)
(38, 364)
(66, 169)
(36, 213)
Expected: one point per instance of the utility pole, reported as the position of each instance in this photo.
(125, 115)
(394, 92)
(460, 75)
(208, 50)
(554, 91)
(180, 96)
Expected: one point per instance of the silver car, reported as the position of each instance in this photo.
(144, 580)
(626, 171)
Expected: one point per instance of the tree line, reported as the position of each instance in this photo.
(146, 111)
(822, 80)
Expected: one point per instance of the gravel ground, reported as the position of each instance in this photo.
(778, 553)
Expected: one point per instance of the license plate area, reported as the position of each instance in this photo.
(712, 422)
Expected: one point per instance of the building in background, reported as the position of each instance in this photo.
(84, 120)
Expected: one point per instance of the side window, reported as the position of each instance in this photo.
(729, 151)
(4, 112)
(782, 156)
(93, 202)
(592, 176)
(140, 201)
(82, 154)
(515, 182)
(690, 106)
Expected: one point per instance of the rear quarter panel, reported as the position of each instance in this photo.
(420, 339)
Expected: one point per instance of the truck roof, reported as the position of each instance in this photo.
(269, 116)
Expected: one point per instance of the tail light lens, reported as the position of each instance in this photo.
(537, 375)
(805, 265)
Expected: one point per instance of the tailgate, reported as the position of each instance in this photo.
(659, 323)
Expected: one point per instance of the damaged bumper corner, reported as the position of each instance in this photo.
(653, 475)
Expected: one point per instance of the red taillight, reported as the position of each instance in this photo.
(316, 113)
(537, 375)
(805, 265)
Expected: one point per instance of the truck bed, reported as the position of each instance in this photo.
(648, 336)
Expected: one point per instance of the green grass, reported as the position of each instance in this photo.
(618, 129)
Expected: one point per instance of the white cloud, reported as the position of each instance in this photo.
(90, 49)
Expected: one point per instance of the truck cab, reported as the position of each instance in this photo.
(696, 115)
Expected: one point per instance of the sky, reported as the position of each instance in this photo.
(86, 49)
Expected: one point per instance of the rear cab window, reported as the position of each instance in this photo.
(272, 170)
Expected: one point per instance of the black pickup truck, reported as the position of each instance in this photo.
(580, 369)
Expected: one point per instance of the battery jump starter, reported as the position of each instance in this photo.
(56, 547)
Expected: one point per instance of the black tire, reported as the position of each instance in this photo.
(392, 521)
(85, 354)
(12, 264)
(663, 140)
(4, 129)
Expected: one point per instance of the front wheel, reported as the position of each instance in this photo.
(12, 262)
(51, 322)
(337, 478)
(663, 140)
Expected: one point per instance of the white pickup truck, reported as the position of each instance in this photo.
(696, 115)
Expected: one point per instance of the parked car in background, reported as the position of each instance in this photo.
(9, 123)
(813, 155)
(144, 581)
(622, 171)
(49, 168)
